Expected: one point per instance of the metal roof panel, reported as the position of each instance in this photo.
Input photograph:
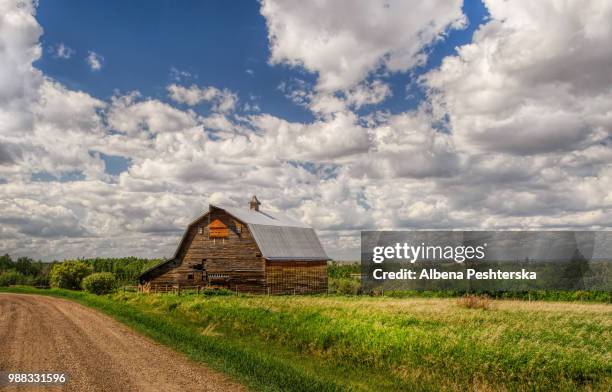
(287, 243)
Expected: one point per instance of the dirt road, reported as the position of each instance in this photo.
(40, 333)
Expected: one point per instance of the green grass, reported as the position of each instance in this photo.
(376, 343)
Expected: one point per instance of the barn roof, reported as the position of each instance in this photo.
(258, 217)
(280, 237)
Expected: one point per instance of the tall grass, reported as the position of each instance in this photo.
(378, 343)
(472, 301)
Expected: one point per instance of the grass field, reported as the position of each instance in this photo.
(373, 343)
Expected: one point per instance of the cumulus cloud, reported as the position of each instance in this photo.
(514, 133)
(94, 60)
(135, 116)
(19, 81)
(320, 103)
(534, 80)
(222, 100)
(368, 94)
(344, 50)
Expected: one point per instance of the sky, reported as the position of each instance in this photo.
(121, 121)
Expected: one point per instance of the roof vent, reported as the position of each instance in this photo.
(254, 203)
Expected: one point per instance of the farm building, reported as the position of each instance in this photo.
(246, 250)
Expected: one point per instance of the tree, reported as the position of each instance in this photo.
(69, 274)
(6, 263)
(99, 283)
(27, 266)
(573, 274)
(13, 277)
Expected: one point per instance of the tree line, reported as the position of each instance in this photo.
(27, 271)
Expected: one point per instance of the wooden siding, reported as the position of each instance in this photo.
(234, 262)
(231, 262)
(296, 277)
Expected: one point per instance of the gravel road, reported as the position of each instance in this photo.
(40, 333)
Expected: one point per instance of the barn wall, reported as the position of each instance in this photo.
(162, 278)
(231, 262)
(296, 277)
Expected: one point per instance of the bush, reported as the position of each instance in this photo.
(338, 270)
(345, 286)
(69, 274)
(99, 283)
(8, 278)
(475, 302)
(40, 281)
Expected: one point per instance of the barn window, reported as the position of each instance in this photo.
(218, 276)
(190, 276)
(200, 230)
(217, 229)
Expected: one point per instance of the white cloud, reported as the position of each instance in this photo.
(135, 117)
(368, 94)
(178, 75)
(251, 107)
(223, 100)
(516, 135)
(300, 93)
(535, 79)
(321, 36)
(94, 60)
(61, 51)
(19, 81)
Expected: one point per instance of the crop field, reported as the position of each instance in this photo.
(373, 343)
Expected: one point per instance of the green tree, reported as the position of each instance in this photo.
(69, 274)
(27, 266)
(99, 283)
(575, 270)
(11, 277)
(6, 263)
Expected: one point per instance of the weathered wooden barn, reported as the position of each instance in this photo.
(245, 250)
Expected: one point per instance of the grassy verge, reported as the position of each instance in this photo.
(376, 343)
(256, 369)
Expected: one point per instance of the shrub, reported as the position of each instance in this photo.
(475, 302)
(342, 270)
(69, 274)
(8, 278)
(345, 286)
(41, 281)
(99, 283)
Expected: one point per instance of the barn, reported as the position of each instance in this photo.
(245, 250)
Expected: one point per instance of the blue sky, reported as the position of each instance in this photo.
(216, 42)
(121, 121)
(145, 45)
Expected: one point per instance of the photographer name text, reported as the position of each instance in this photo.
(435, 274)
(459, 254)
